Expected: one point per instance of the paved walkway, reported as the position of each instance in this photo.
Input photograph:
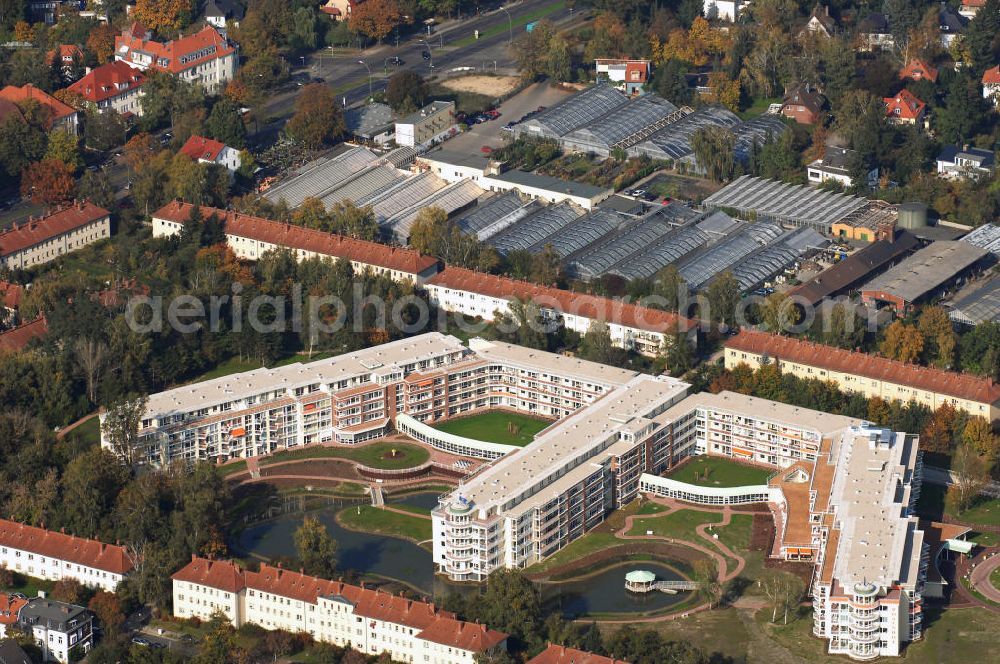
(419, 515)
(979, 577)
(69, 427)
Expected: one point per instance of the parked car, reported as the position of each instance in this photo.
(486, 150)
(140, 641)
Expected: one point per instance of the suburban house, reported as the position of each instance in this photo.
(10, 302)
(40, 240)
(114, 86)
(205, 57)
(369, 620)
(67, 54)
(57, 628)
(905, 108)
(874, 33)
(970, 7)
(17, 339)
(964, 162)
(338, 10)
(952, 25)
(803, 104)
(556, 654)
(11, 652)
(60, 116)
(209, 151)
(991, 84)
(835, 165)
(820, 22)
(627, 75)
(224, 13)
(918, 70)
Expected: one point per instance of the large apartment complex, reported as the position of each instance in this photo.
(370, 621)
(870, 375)
(51, 555)
(41, 240)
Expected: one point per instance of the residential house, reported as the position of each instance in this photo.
(10, 606)
(874, 33)
(422, 127)
(820, 22)
(371, 621)
(10, 302)
(57, 233)
(60, 116)
(115, 86)
(68, 54)
(224, 13)
(205, 57)
(905, 108)
(970, 7)
(627, 75)
(836, 165)
(991, 85)
(562, 655)
(209, 151)
(952, 25)
(17, 339)
(918, 70)
(804, 104)
(724, 10)
(338, 10)
(46, 11)
(964, 162)
(57, 628)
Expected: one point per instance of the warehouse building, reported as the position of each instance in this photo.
(572, 113)
(623, 127)
(980, 306)
(928, 272)
(985, 237)
(529, 231)
(547, 188)
(496, 214)
(451, 199)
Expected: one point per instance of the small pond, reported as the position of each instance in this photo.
(427, 500)
(604, 592)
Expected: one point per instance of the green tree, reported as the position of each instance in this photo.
(103, 130)
(597, 345)
(318, 118)
(971, 475)
(434, 234)
(406, 91)
(21, 143)
(120, 426)
(723, 295)
(714, 150)
(225, 124)
(89, 487)
(64, 147)
(316, 549)
(95, 186)
(559, 64)
(964, 109)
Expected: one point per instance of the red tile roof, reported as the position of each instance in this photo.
(199, 147)
(10, 295)
(567, 302)
(434, 624)
(66, 53)
(77, 550)
(63, 220)
(962, 386)
(992, 76)
(17, 339)
(106, 81)
(638, 69)
(9, 608)
(562, 655)
(910, 108)
(917, 69)
(297, 237)
(167, 55)
(22, 94)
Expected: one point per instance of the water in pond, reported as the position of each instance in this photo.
(363, 552)
(425, 500)
(604, 592)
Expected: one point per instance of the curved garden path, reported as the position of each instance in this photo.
(979, 577)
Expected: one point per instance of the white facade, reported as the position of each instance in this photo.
(57, 628)
(228, 157)
(49, 241)
(420, 128)
(724, 10)
(53, 569)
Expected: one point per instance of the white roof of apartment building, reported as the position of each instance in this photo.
(553, 363)
(879, 544)
(518, 481)
(213, 392)
(765, 409)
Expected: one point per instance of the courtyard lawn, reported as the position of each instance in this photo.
(985, 511)
(374, 455)
(383, 522)
(496, 426)
(679, 524)
(592, 542)
(708, 470)
(932, 505)
(28, 585)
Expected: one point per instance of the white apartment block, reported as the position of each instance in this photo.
(51, 555)
(57, 628)
(370, 621)
(205, 57)
(41, 240)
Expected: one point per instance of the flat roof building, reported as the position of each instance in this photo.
(572, 113)
(980, 306)
(547, 188)
(420, 128)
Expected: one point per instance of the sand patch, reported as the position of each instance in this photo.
(491, 86)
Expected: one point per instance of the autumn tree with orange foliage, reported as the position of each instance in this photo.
(375, 18)
(48, 182)
(696, 45)
(101, 42)
(139, 151)
(609, 38)
(318, 118)
(163, 16)
(71, 98)
(108, 609)
(939, 432)
(23, 32)
(902, 342)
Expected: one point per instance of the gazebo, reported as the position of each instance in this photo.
(640, 581)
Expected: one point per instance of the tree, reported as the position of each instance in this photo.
(101, 42)
(723, 296)
(164, 16)
(531, 51)
(375, 18)
(48, 182)
(964, 109)
(108, 609)
(92, 357)
(63, 146)
(225, 124)
(68, 590)
(559, 65)
(978, 435)
(902, 342)
(670, 287)
(20, 144)
(780, 313)
(318, 118)
(120, 428)
(609, 38)
(510, 604)
(434, 234)
(95, 186)
(970, 476)
(597, 345)
(708, 583)
(783, 590)
(935, 325)
(347, 218)
(103, 130)
(89, 486)
(714, 149)
(939, 432)
(406, 91)
(316, 549)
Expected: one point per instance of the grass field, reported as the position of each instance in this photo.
(373, 455)
(932, 505)
(374, 520)
(89, 433)
(494, 427)
(707, 470)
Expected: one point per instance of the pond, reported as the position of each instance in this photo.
(604, 592)
(387, 557)
(427, 500)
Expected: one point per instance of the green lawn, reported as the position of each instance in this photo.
(679, 524)
(985, 511)
(28, 585)
(737, 534)
(984, 539)
(708, 470)
(496, 426)
(374, 520)
(759, 106)
(516, 26)
(578, 548)
(374, 455)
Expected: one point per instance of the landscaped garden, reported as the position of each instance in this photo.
(496, 426)
(383, 454)
(384, 522)
(708, 470)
